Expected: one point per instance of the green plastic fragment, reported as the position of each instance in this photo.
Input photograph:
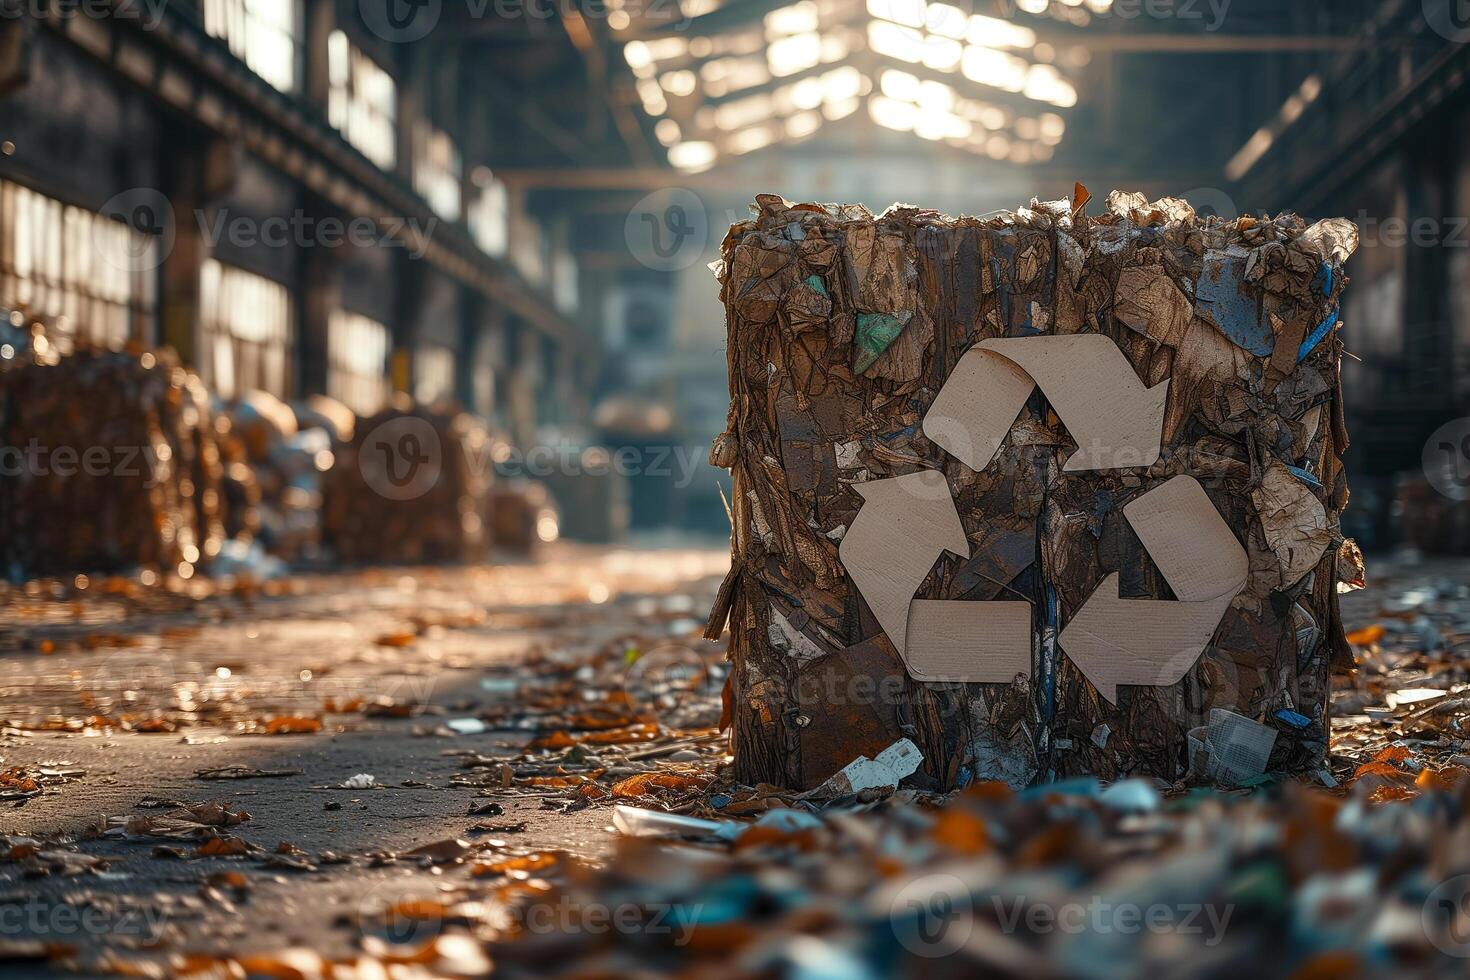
(875, 331)
(1260, 885)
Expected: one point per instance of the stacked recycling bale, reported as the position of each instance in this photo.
(288, 452)
(843, 330)
(523, 515)
(1428, 518)
(412, 486)
(110, 462)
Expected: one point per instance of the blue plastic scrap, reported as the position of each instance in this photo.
(1324, 279)
(1223, 299)
(1305, 477)
(1293, 719)
(1315, 337)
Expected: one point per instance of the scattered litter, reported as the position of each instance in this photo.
(1231, 749)
(244, 772)
(887, 769)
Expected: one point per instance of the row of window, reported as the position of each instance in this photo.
(88, 277)
(73, 268)
(362, 105)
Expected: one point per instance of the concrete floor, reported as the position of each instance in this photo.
(221, 667)
(427, 646)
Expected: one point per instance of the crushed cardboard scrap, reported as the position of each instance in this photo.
(126, 470)
(1049, 368)
(445, 519)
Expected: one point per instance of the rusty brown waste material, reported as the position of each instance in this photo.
(1220, 374)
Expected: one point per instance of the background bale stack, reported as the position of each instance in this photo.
(842, 328)
(288, 450)
(523, 515)
(111, 462)
(592, 498)
(441, 517)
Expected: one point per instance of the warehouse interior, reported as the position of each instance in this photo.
(267, 257)
(495, 191)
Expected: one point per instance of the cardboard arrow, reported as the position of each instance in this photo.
(972, 413)
(1154, 643)
(1116, 421)
(967, 642)
(903, 526)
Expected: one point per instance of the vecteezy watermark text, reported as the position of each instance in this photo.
(147, 13)
(1210, 14)
(56, 919)
(406, 21)
(1099, 915)
(934, 916)
(307, 231)
(1426, 231)
(37, 460)
(403, 458)
(568, 916)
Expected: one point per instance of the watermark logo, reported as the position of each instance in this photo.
(144, 210)
(400, 21)
(1211, 202)
(127, 675)
(1450, 19)
(667, 230)
(673, 683)
(401, 459)
(933, 916)
(1446, 459)
(1446, 917)
(402, 911)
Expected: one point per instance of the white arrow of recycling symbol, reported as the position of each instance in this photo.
(906, 522)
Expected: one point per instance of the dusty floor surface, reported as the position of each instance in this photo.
(400, 653)
(119, 701)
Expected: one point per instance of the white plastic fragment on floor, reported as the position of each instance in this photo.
(887, 769)
(632, 821)
(1231, 749)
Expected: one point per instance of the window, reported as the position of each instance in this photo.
(245, 331)
(362, 101)
(564, 280)
(80, 273)
(261, 33)
(528, 247)
(433, 374)
(357, 361)
(436, 170)
(489, 218)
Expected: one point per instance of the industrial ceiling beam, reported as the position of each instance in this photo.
(758, 176)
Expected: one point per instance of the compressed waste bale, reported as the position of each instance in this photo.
(1429, 520)
(413, 486)
(592, 497)
(111, 463)
(289, 452)
(1042, 492)
(522, 515)
(238, 483)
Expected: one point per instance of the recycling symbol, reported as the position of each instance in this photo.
(905, 523)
